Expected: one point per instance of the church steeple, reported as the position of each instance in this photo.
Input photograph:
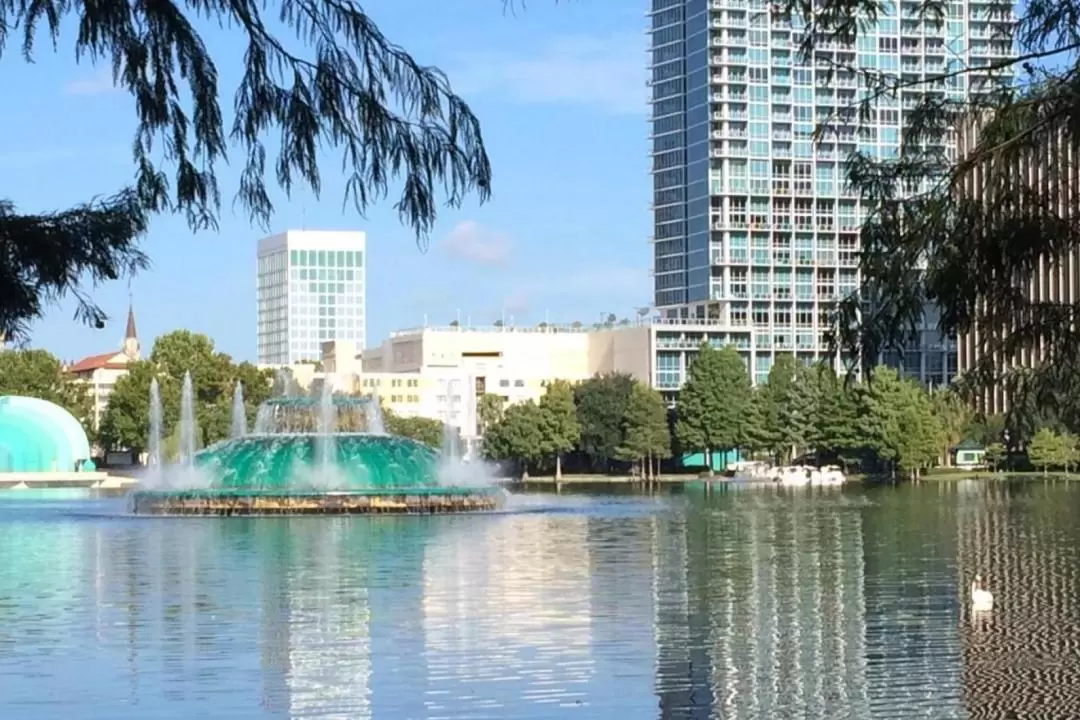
(131, 338)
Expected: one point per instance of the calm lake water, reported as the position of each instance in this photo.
(746, 604)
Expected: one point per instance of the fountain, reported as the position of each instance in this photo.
(456, 467)
(155, 459)
(373, 414)
(187, 422)
(451, 445)
(312, 455)
(239, 413)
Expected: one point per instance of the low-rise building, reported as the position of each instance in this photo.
(100, 372)
(441, 372)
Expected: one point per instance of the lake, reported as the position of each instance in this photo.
(749, 603)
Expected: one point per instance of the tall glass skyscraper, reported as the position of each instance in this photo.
(756, 233)
(310, 287)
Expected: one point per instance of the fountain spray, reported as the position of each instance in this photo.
(153, 445)
(239, 413)
(187, 422)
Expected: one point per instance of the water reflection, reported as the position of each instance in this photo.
(741, 605)
(1023, 658)
(775, 587)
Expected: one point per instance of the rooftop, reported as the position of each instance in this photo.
(97, 362)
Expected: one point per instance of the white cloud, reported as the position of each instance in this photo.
(100, 83)
(471, 241)
(606, 72)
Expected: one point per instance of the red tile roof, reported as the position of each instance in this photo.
(96, 362)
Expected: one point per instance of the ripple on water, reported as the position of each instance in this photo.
(739, 605)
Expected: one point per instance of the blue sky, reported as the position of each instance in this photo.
(560, 89)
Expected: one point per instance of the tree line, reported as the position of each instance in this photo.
(886, 425)
(213, 376)
(611, 422)
(607, 419)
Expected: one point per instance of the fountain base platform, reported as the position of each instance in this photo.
(245, 503)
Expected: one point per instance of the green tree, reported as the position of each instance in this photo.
(835, 428)
(214, 376)
(995, 455)
(126, 420)
(317, 76)
(713, 409)
(787, 403)
(1045, 449)
(920, 430)
(898, 422)
(517, 437)
(37, 373)
(490, 410)
(1068, 451)
(422, 429)
(601, 405)
(646, 435)
(954, 416)
(258, 386)
(560, 428)
(986, 430)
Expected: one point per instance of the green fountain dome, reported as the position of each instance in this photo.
(358, 462)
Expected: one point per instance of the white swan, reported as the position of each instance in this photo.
(981, 598)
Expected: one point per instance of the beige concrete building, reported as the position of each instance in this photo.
(102, 371)
(441, 372)
(1052, 172)
(432, 371)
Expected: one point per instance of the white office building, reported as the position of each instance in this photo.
(310, 289)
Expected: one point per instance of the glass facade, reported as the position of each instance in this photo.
(309, 294)
(755, 228)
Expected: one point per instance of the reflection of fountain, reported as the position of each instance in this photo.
(313, 455)
(239, 414)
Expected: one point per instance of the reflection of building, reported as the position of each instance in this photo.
(329, 636)
(311, 287)
(772, 605)
(683, 662)
(1020, 660)
(507, 599)
(100, 372)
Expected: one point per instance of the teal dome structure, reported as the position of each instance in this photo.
(358, 463)
(39, 436)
